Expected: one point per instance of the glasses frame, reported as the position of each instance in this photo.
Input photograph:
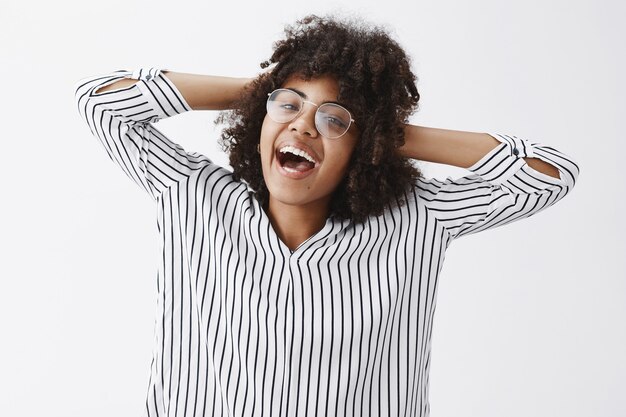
(302, 101)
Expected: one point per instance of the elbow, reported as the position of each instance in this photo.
(117, 85)
(543, 167)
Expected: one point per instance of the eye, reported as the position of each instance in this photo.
(332, 120)
(285, 101)
(288, 107)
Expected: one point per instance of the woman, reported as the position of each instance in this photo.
(305, 282)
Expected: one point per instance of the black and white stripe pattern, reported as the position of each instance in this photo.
(340, 326)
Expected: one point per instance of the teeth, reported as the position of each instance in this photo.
(298, 152)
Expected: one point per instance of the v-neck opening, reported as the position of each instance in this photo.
(329, 224)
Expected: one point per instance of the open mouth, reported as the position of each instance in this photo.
(293, 159)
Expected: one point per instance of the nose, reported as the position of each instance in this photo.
(304, 123)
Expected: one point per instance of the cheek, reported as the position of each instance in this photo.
(344, 154)
(269, 132)
(339, 164)
(264, 130)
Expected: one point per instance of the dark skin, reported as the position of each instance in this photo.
(298, 209)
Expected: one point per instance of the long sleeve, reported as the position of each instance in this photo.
(501, 189)
(122, 120)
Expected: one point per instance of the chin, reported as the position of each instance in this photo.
(287, 196)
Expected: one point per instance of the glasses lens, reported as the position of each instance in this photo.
(332, 120)
(283, 105)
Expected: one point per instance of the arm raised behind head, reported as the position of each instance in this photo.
(457, 148)
(201, 92)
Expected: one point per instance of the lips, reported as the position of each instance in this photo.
(296, 160)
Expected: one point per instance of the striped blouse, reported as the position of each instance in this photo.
(342, 325)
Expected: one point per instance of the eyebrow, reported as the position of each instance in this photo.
(304, 96)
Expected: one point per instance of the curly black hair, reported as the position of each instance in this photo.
(376, 83)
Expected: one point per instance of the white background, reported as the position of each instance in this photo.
(531, 316)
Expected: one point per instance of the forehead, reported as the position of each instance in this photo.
(322, 88)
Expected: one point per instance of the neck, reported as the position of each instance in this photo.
(296, 223)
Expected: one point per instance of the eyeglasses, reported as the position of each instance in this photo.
(331, 120)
